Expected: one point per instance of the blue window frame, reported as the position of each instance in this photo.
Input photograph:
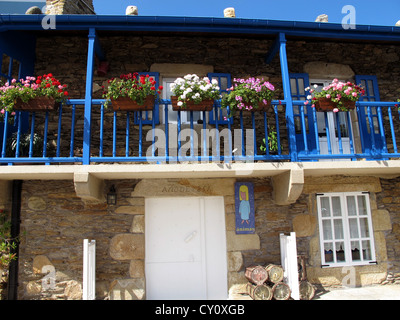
(147, 116)
(369, 119)
(224, 82)
(298, 83)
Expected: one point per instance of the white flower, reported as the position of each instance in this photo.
(315, 86)
(180, 103)
(309, 97)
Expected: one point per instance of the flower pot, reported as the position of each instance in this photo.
(205, 105)
(36, 104)
(325, 104)
(127, 104)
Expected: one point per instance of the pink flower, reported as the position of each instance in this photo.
(335, 110)
(354, 94)
(328, 96)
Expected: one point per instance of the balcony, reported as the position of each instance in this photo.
(73, 135)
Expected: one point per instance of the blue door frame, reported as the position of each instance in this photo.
(20, 47)
(303, 115)
(373, 139)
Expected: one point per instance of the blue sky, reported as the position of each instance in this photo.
(370, 12)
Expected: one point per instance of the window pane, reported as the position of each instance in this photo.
(301, 86)
(325, 208)
(224, 83)
(327, 229)
(338, 225)
(353, 226)
(355, 251)
(328, 250)
(351, 206)
(337, 210)
(362, 206)
(364, 228)
(366, 246)
(293, 86)
(371, 88)
(340, 257)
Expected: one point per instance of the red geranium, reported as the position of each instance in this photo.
(132, 85)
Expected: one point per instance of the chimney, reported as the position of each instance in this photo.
(229, 13)
(131, 11)
(69, 7)
(322, 18)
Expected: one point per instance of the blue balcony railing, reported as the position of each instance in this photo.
(125, 137)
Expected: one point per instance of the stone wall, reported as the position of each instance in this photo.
(69, 7)
(54, 223)
(239, 57)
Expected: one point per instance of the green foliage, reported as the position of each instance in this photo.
(247, 94)
(131, 86)
(30, 88)
(192, 88)
(24, 144)
(272, 141)
(7, 243)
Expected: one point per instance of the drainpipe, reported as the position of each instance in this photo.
(15, 229)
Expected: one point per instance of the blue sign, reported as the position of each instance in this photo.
(244, 208)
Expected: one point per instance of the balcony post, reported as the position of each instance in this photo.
(288, 97)
(88, 97)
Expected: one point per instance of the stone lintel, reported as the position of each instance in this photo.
(89, 187)
(288, 186)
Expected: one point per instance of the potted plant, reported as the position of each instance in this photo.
(193, 93)
(131, 92)
(272, 142)
(337, 96)
(249, 94)
(7, 248)
(32, 94)
(24, 145)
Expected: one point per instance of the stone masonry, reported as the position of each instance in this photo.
(55, 222)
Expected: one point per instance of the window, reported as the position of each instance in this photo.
(345, 228)
(172, 115)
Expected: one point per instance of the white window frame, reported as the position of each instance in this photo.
(185, 115)
(347, 239)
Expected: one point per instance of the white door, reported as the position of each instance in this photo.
(185, 248)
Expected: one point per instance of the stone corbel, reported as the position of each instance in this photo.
(288, 186)
(89, 187)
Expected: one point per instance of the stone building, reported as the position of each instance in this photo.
(337, 189)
